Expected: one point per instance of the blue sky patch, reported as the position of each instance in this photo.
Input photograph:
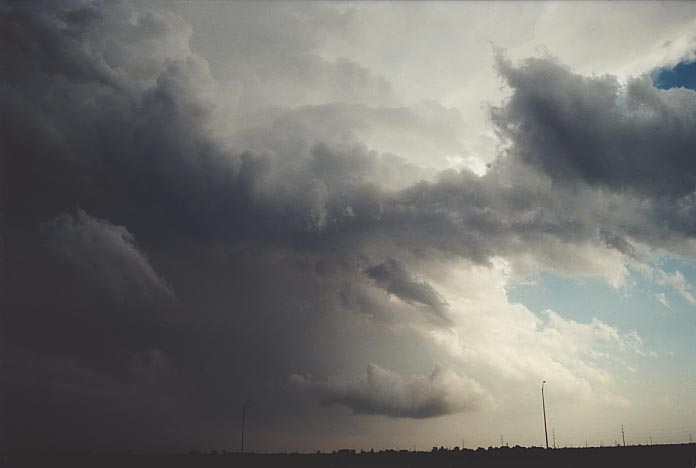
(683, 75)
(663, 328)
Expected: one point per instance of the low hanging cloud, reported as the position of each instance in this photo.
(393, 276)
(387, 393)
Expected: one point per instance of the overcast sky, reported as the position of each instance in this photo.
(383, 223)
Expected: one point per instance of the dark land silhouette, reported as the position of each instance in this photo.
(656, 456)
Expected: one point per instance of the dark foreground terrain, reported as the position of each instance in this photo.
(657, 456)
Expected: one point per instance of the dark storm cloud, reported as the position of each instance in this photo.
(621, 152)
(202, 243)
(95, 124)
(478, 218)
(135, 138)
(148, 159)
(598, 131)
(383, 392)
(108, 113)
(107, 255)
(393, 276)
(619, 243)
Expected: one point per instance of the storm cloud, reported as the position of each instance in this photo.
(393, 276)
(162, 226)
(106, 254)
(598, 131)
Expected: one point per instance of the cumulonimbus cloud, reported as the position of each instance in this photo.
(270, 225)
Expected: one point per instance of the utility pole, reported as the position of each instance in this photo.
(543, 406)
(651, 441)
(623, 436)
(553, 431)
(243, 418)
(691, 439)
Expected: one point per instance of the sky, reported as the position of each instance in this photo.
(383, 224)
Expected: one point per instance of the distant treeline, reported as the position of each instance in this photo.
(654, 456)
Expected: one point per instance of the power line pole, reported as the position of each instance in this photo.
(543, 406)
(623, 436)
(651, 441)
(553, 431)
(501, 440)
(243, 418)
(691, 439)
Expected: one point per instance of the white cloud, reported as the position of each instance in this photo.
(662, 299)
(505, 340)
(675, 281)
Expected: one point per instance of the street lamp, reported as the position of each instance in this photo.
(543, 406)
(244, 417)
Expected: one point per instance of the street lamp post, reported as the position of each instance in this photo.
(543, 406)
(243, 418)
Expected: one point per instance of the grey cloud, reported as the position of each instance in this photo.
(88, 139)
(312, 80)
(256, 242)
(363, 301)
(107, 256)
(128, 48)
(109, 147)
(272, 58)
(616, 242)
(597, 131)
(624, 148)
(383, 392)
(154, 149)
(361, 296)
(481, 217)
(425, 133)
(393, 276)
